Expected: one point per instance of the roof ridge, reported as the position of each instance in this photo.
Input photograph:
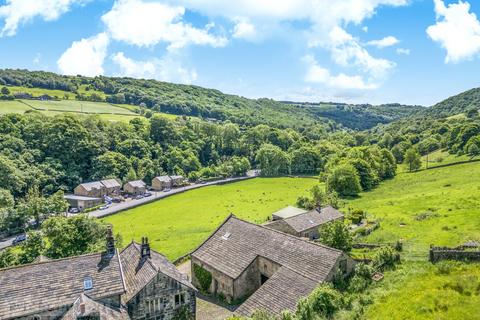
(51, 261)
(286, 234)
(230, 216)
(121, 270)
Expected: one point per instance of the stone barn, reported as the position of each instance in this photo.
(306, 224)
(136, 283)
(82, 202)
(269, 269)
(162, 182)
(135, 187)
(177, 181)
(112, 186)
(94, 189)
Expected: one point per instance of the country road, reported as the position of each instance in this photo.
(6, 242)
(132, 203)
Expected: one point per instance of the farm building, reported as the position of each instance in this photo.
(135, 187)
(112, 186)
(272, 270)
(136, 283)
(82, 202)
(161, 183)
(287, 212)
(306, 224)
(98, 189)
(177, 181)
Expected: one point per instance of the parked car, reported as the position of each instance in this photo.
(116, 200)
(19, 238)
(74, 210)
(147, 194)
(104, 207)
(167, 190)
(138, 197)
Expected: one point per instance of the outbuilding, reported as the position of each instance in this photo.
(82, 202)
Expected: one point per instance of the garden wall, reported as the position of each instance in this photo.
(445, 253)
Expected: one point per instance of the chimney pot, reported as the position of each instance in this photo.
(110, 241)
(82, 308)
(145, 249)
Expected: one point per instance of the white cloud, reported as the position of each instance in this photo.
(384, 42)
(169, 68)
(403, 51)
(457, 30)
(85, 56)
(244, 29)
(318, 74)
(347, 51)
(148, 23)
(37, 58)
(17, 12)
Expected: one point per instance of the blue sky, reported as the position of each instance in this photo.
(360, 51)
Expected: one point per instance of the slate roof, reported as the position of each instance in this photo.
(92, 185)
(281, 292)
(52, 284)
(137, 184)
(139, 272)
(163, 178)
(313, 218)
(111, 183)
(93, 308)
(236, 243)
(75, 197)
(288, 212)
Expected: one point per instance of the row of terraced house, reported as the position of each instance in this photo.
(267, 268)
(90, 194)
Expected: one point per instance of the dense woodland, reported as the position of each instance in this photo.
(209, 103)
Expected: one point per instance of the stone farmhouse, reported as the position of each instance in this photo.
(177, 181)
(161, 183)
(305, 224)
(272, 270)
(82, 202)
(98, 189)
(135, 187)
(136, 283)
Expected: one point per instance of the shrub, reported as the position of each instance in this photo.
(203, 276)
(357, 216)
(183, 313)
(336, 235)
(361, 278)
(386, 258)
(325, 300)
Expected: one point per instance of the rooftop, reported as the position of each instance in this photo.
(288, 212)
(75, 197)
(313, 218)
(51, 284)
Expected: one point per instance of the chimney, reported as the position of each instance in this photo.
(82, 308)
(145, 248)
(110, 242)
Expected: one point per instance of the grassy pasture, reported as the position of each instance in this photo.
(177, 224)
(78, 106)
(439, 206)
(13, 106)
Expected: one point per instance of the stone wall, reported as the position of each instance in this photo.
(223, 285)
(282, 226)
(444, 253)
(157, 300)
(248, 282)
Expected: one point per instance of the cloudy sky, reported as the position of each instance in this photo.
(408, 51)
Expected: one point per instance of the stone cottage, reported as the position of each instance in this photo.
(98, 189)
(161, 183)
(177, 181)
(272, 270)
(135, 187)
(136, 283)
(306, 224)
(112, 186)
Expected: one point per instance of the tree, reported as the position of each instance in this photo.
(471, 113)
(272, 160)
(388, 164)
(6, 199)
(344, 180)
(5, 91)
(336, 235)
(305, 160)
(472, 148)
(111, 165)
(33, 247)
(412, 159)
(73, 236)
(131, 175)
(367, 176)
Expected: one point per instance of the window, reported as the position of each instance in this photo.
(179, 299)
(87, 283)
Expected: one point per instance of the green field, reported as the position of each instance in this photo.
(77, 106)
(60, 94)
(178, 224)
(13, 107)
(439, 206)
